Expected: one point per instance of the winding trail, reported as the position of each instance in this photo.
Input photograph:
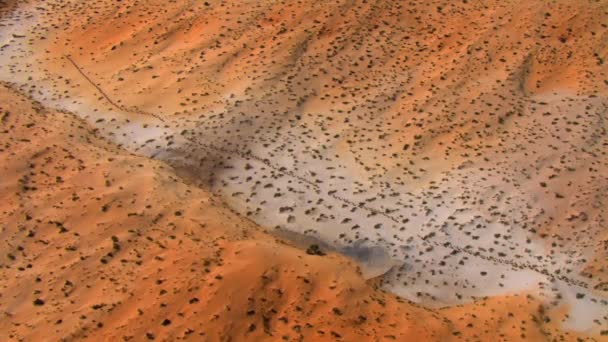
(105, 95)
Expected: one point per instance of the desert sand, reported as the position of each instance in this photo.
(166, 166)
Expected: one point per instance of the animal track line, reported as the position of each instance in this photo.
(105, 95)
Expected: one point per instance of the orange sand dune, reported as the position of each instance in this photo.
(103, 245)
(457, 149)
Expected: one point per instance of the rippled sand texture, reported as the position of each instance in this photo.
(455, 150)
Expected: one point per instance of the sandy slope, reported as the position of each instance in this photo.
(459, 145)
(114, 244)
(102, 244)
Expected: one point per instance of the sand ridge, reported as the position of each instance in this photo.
(94, 254)
(465, 141)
